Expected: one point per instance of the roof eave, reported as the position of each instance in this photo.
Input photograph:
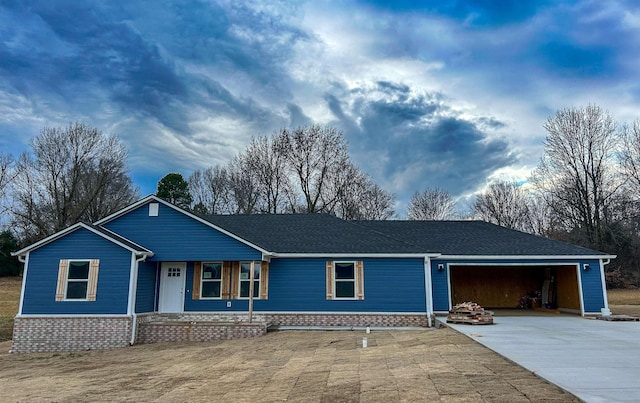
(527, 257)
(355, 255)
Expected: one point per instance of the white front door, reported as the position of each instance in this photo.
(172, 278)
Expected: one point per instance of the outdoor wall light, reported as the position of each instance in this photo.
(440, 267)
(585, 267)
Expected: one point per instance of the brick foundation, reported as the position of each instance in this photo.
(48, 334)
(348, 320)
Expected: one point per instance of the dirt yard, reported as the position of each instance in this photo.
(293, 366)
(310, 366)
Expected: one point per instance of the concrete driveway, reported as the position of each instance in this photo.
(597, 361)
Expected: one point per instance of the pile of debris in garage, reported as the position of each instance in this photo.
(471, 313)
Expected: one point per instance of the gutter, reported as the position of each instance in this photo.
(526, 257)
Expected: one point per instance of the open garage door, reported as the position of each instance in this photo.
(504, 286)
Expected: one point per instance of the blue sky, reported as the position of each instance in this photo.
(427, 94)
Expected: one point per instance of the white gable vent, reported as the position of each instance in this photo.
(153, 209)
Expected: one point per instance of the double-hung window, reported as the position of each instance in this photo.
(77, 280)
(211, 280)
(245, 279)
(345, 280)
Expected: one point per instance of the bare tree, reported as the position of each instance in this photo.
(503, 203)
(7, 174)
(243, 185)
(304, 170)
(432, 204)
(210, 190)
(74, 173)
(358, 197)
(541, 220)
(266, 158)
(316, 156)
(630, 154)
(576, 174)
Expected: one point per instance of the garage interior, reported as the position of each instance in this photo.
(551, 288)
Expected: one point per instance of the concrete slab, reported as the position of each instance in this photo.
(597, 361)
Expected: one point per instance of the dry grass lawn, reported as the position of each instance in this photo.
(624, 296)
(624, 302)
(9, 300)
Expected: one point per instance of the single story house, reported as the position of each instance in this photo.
(155, 272)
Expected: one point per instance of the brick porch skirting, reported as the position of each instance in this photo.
(48, 334)
(204, 326)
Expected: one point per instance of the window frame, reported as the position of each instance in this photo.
(354, 281)
(203, 280)
(67, 279)
(256, 282)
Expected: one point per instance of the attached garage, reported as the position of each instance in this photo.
(517, 286)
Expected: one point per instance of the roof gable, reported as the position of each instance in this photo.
(102, 232)
(155, 199)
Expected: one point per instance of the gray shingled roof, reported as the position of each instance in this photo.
(322, 233)
(475, 238)
(308, 233)
(109, 234)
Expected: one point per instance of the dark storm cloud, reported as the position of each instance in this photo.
(297, 117)
(100, 49)
(419, 135)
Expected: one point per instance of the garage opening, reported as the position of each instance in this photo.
(529, 287)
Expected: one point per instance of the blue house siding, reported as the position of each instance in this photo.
(298, 285)
(173, 236)
(591, 280)
(440, 287)
(146, 290)
(113, 276)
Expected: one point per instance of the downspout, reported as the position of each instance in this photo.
(133, 285)
(428, 290)
(604, 262)
(24, 260)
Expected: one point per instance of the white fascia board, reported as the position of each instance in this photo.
(525, 257)
(71, 229)
(153, 198)
(354, 255)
